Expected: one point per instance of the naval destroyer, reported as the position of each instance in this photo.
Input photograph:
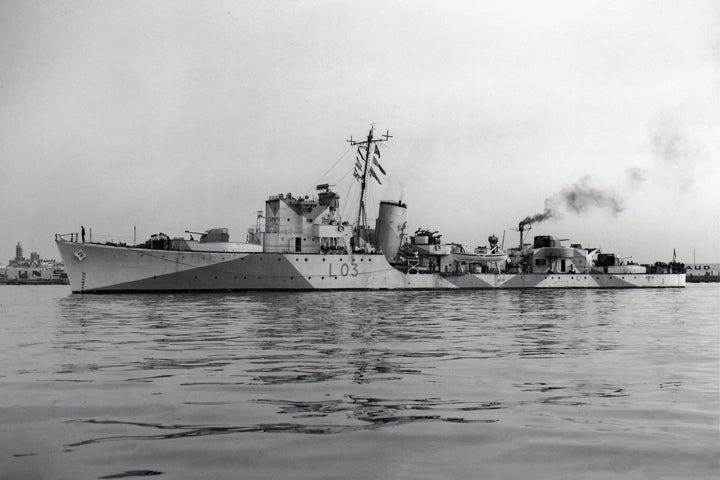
(305, 244)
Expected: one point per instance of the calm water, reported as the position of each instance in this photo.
(365, 385)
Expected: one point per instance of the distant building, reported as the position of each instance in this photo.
(34, 270)
(19, 253)
(702, 272)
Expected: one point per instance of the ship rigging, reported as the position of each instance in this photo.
(364, 172)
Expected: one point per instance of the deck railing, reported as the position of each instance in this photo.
(67, 237)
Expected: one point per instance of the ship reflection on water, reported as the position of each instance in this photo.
(268, 384)
(223, 345)
(336, 361)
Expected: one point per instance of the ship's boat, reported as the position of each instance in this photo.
(304, 243)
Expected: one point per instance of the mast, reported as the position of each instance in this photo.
(366, 144)
(362, 213)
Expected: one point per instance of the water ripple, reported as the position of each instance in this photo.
(434, 379)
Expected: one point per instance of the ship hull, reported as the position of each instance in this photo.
(94, 268)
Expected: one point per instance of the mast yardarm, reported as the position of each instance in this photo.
(364, 168)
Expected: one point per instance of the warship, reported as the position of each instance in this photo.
(305, 244)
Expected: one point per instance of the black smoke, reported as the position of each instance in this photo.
(581, 197)
(577, 198)
(551, 211)
(676, 152)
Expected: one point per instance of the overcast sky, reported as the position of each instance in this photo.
(186, 115)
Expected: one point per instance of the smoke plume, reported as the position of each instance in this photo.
(577, 198)
(670, 144)
(677, 152)
(551, 211)
(581, 197)
(636, 175)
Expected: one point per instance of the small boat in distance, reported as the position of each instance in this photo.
(305, 244)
